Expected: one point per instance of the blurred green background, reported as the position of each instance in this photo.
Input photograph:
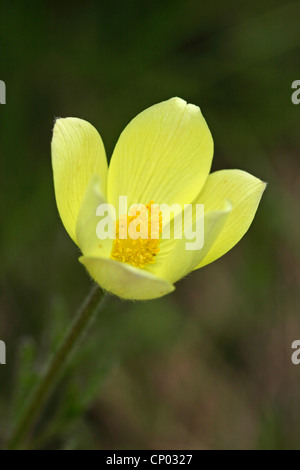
(208, 367)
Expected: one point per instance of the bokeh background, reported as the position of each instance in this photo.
(208, 367)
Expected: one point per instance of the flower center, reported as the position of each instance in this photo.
(137, 236)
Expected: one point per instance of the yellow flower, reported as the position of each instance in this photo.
(163, 156)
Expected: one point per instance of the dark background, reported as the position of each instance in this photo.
(210, 365)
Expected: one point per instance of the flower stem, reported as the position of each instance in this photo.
(56, 366)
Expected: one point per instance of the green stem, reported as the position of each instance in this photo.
(56, 366)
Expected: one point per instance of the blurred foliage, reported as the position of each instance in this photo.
(208, 366)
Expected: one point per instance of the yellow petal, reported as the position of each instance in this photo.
(77, 154)
(164, 154)
(244, 191)
(175, 261)
(88, 221)
(124, 280)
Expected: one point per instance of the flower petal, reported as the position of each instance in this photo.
(164, 154)
(87, 222)
(244, 191)
(77, 154)
(179, 260)
(124, 280)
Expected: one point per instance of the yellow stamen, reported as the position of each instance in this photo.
(142, 250)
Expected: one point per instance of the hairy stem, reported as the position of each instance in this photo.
(56, 367)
